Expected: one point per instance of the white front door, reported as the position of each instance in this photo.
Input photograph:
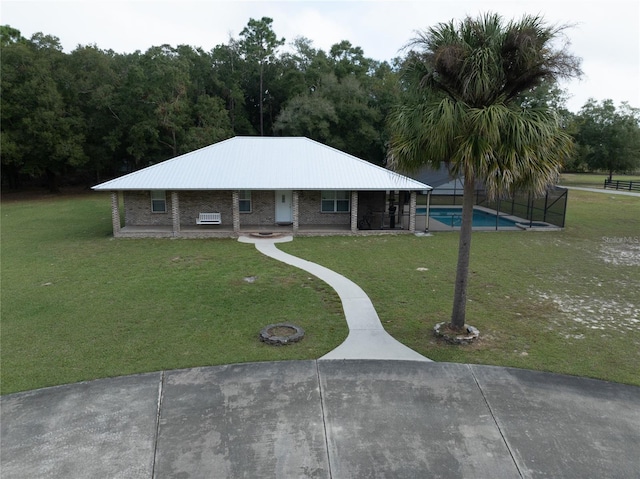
(284, 206)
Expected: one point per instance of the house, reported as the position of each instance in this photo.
(249, 185)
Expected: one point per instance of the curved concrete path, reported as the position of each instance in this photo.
(325, 420)
(367, 339)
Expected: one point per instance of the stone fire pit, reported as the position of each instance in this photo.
(280, 334)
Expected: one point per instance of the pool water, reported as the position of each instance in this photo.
(453, 217)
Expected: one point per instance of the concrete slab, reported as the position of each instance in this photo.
(409, 420)
(372, 344)
(325, 419)
(261, 420)
(565, 426)
(102, 428)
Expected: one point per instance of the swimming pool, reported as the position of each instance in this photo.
(453, 217)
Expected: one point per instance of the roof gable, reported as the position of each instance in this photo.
(264, 163)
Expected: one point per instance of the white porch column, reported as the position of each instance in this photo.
(175, 213)
(354, 211)
(412, 212)
(115, 213)
(235, 200)
(296, 210)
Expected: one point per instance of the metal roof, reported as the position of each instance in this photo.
(264, 163)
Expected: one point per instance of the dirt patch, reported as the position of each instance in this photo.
(621, 253)
(590, 313)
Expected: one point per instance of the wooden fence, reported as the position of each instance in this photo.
(622, 185)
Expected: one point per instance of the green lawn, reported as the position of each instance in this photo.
(592, 180)
(77, 304)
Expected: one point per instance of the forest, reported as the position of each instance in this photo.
(83, 117)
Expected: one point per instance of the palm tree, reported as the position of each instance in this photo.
(463, 109)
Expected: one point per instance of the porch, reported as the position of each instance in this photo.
(161, 231)
(179, 215)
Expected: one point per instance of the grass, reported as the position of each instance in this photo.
(77, 304)
(551, 301)
(592, 180)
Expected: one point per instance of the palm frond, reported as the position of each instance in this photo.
(481, 65)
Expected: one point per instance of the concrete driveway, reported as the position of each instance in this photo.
(325, 419)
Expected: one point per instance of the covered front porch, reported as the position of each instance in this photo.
(228, 232)
(368, 212)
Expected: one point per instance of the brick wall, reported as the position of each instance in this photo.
(137, 207)
(137, 210)
(309, 211)
(263, 209)
(192, 203)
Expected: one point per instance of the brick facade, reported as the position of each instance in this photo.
(137, 210)
(412, 212)
(175, 211)
(263, 209)
(115, 213)
(309, 211)
(183, 208)
(192, 203)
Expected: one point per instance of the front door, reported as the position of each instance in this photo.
(284, 206)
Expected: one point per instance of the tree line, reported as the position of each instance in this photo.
(92, 114)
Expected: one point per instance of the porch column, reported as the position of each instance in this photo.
(235, 200)
(115, 213)
(296, 222)
(175, 213)
(354, 211)
(412, 212)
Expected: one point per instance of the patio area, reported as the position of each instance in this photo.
(217, 231)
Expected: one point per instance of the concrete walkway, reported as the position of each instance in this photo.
(325, 420)
(367, 338)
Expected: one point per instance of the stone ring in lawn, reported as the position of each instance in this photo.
(281, 333)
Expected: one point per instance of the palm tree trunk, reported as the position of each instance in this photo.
(464, 250)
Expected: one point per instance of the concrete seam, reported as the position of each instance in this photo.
(495, 420)
(157, 432)
(324, 422)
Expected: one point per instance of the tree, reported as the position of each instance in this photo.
(93, 91)
(463, 87)
(166, 106)
(310, 115)
(348, 60)
(227, 75)
(259, 43)
(609, 138)
(335, 112)
(41, 132)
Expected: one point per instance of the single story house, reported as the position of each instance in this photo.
(247, 185)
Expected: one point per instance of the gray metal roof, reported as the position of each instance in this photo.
(264, 163)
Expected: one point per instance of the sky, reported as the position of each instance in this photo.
(605, 34)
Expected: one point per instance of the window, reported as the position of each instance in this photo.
(245, 201)
(158, 202)
(335, 202)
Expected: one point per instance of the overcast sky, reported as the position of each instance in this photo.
(605, 34)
